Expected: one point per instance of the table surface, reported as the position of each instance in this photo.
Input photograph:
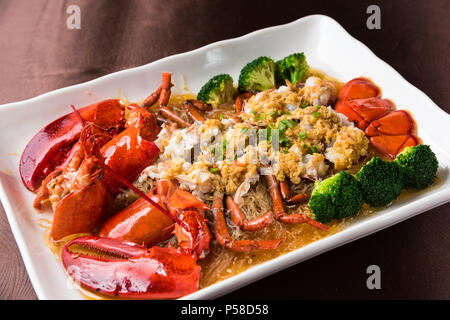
(40, 54)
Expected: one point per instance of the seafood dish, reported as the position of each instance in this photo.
(158, 198)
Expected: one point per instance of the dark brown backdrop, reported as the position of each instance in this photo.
(39, 54)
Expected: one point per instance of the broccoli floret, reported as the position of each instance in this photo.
(219, 89)
(337, 197)
(257, 75)
(293, 67)
(381, 181)
(419, 166)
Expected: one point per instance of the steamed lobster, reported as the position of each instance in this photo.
(389, 130)
(79, 162)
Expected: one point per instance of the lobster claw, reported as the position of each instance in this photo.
(140, 222)
(129, 270)
(48, 148)
(128, 153)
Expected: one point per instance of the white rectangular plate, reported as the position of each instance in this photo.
(328, 47)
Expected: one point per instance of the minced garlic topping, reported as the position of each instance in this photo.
(293, 128)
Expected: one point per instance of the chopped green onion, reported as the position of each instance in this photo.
(314, 149)
(316, 114)
(304, 104)
(244, 129)
(280, 112)
(302, 135)
(284, 142)
(286, 123)
(272, 113)
(213, 150)
(285, 151)
(221, 116)
(213, 170)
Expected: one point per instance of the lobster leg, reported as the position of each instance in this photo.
(174, 117)
(165, 90)
(192, 112)
(241, 100)
(129, 270)
(198, 104)
(224, 238)
(151, 99)
(286, 194)
(238, 217)
(278, 208)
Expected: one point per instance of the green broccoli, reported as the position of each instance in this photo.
(257, 75)
(381, 181)
(419, 166)
(219, 89)
(293, 67)
(337, 197)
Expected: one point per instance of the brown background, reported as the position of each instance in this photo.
(38, 54)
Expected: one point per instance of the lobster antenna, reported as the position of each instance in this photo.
(78, 114)
(142, 194)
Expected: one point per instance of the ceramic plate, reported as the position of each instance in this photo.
(328, 47)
